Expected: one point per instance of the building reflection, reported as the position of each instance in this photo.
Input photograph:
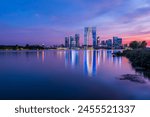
(98, 57)
(66, 58)
(72, 58)
(38, 54)
(117, 60)
(109, 56)
(103, 56)
(91, 61)
(41, 54)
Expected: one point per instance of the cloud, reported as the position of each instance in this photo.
(43, 20)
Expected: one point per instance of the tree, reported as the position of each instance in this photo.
(143, 44)
(134, 45)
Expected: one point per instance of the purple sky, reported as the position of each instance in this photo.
(49, 21)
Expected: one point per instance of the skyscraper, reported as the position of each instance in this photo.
(109, 43)
(66, 42)
(117, 42)
(98, 41)
(77, 39)
(94, 36)
(72, 42)
(87, 32)
(120, 41)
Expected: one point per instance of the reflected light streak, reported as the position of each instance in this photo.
(43, 56)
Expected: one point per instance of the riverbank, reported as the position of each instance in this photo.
(54, 47)
(139, 58)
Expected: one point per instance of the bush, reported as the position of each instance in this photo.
(139, 57)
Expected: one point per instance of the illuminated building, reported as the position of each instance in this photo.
(72, 42)
(109, 43)
(87, 32)
(67, 42)
(77, 39)
(117, 42)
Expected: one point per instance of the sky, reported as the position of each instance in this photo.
(49, 21)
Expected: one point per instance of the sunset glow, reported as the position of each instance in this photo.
(49, 21)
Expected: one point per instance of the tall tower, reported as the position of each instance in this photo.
(66, 42)
(72, 42)
(94, 36)
(87, 32)
(77, 39)
(86, 29)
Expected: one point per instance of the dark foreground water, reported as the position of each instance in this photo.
(53, 74)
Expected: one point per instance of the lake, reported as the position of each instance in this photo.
(69, 75)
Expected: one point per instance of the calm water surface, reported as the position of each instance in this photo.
(70, 74)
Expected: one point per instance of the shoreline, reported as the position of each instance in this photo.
(139, 58)
(63, 49)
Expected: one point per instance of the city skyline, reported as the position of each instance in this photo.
(48, 22)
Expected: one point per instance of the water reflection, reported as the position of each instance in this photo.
(66, 58)
(72, 58)
(41, 54)
(117, 61)
(35, 79)
(109, 55)
(103, 56)
(38, 54)
(90, 62)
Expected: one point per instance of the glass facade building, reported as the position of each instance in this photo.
(66, 42)
(77, 39)
(117, 41)
(87, 32)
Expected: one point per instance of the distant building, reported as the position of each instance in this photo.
(103, 42)
(77, 40)
(109, 43)
(120, 41)
(72, 42)
(98, 41)
(67, 42)
(117, 42)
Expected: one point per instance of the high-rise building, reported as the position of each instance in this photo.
(72, 42)
(98, 41)
(103, 42)
(109, 43)
(77, 40)
(66, 42)
(87, 32)
(94, 36)
(117, 42)
(120, 41)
